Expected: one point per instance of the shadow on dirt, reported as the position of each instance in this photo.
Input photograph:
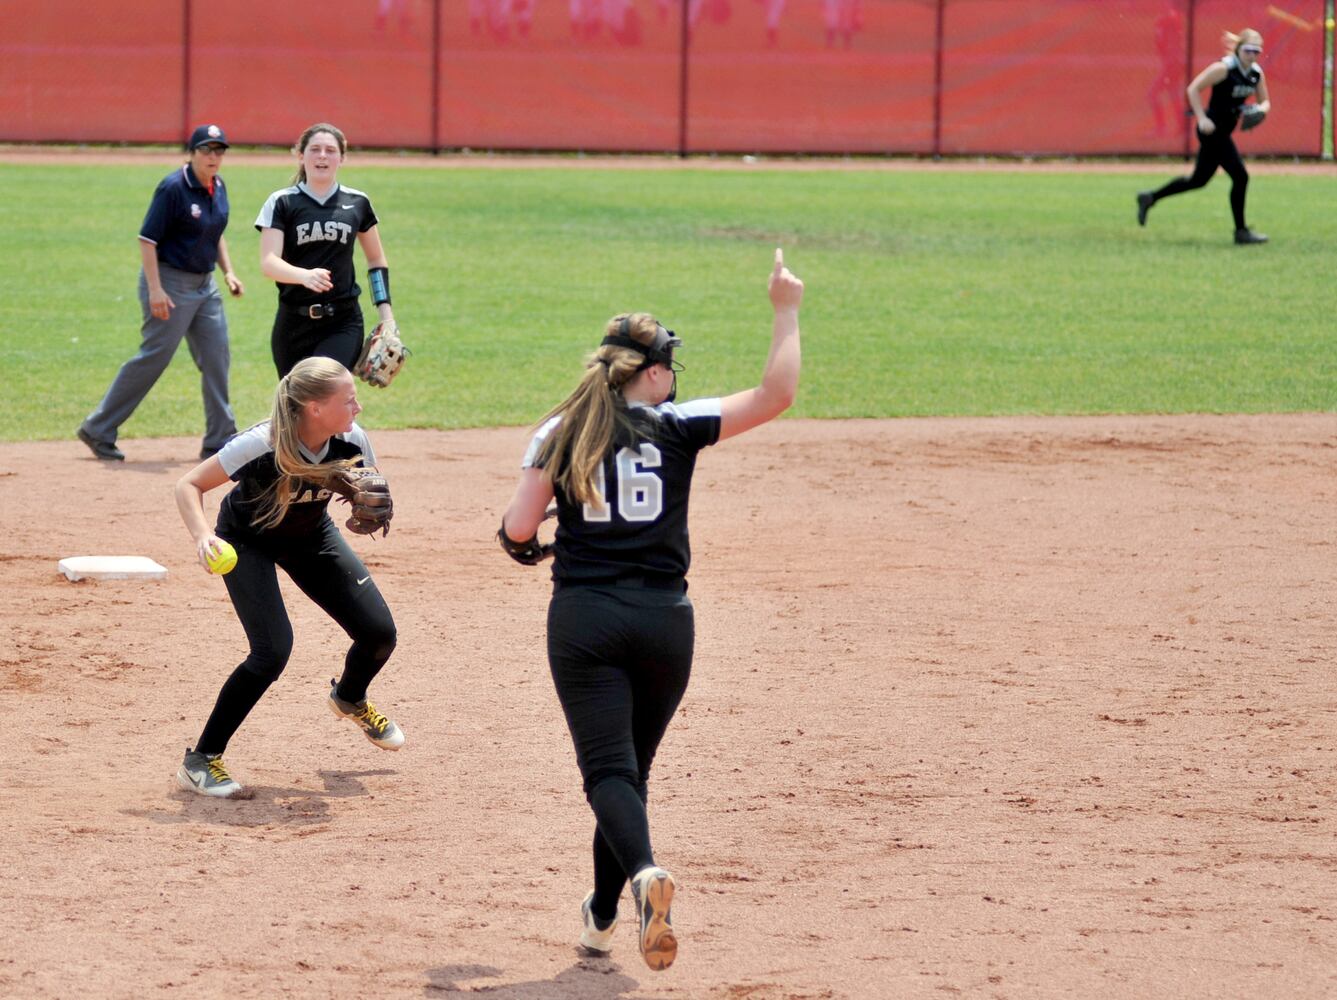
(588, 979)
(263, 805)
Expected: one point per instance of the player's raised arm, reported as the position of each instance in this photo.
(779, 381)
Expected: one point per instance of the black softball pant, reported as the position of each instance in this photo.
(620, 660)
(331, 574)
(1215, 150)
(296, 337)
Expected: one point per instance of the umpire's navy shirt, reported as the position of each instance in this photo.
(185, 222)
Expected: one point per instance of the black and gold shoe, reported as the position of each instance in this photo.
(375, 726)
(206, 774)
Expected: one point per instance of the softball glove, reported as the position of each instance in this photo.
(1251, 117)
(382, 357)
(366, 490)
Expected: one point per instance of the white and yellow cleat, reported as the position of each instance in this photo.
(652, 891)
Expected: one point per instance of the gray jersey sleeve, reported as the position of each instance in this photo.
(245, 448)
(709, 407)
(531, 453)
(265, 220)
(357, 436)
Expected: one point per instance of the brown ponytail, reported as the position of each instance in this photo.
(591, 415)
(305, 138)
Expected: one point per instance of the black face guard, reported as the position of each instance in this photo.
(659, 352)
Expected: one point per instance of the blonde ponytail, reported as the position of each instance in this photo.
(311, 379)
(1232, 41)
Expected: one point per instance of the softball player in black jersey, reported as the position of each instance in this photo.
(307, 233)
(277, 517)
(618, 456)
(1233, 79)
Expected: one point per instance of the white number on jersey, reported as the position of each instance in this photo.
(640, 493)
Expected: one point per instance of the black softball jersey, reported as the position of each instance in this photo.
(248, 459)
(318, 233)
(1229, 95)
(646, 480)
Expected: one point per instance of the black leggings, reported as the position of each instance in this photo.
(620, 660)
(329, 573)
(296, 337)
(1215, 150)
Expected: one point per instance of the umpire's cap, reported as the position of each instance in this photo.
(207, 135)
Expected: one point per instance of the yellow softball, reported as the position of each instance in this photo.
(224, 561)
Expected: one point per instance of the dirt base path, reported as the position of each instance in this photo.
(1001, 708)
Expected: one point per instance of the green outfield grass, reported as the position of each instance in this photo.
(928, 292)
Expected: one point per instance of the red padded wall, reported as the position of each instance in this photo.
(89, 71)
(1011, 77)
(811, 75)
(579, 74)
(266, 69)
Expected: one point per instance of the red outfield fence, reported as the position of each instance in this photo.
(1003, 77)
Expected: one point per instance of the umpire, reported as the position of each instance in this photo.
(181, 243)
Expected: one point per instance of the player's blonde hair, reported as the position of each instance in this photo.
(1247, 36)
(304, 140)
(592, 414)
(311, 380)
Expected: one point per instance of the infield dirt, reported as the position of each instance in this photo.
(986, 707)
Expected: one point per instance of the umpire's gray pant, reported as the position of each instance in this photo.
(198, 316)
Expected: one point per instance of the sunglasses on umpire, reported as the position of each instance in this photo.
(1253, 50)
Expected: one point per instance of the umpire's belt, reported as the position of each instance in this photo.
(324, 310)
(636, 581)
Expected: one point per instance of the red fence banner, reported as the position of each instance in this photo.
(86, 70)
(926, 77)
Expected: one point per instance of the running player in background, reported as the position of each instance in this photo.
(618, 456)
(307, 233)
(1233, 79)
(276, 517)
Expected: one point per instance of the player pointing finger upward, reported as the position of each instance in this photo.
(618, 456)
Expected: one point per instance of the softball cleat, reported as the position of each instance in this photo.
(375, 726)
(595, 939)
(206, 774)
(652, 891)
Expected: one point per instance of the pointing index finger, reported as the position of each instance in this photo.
(779, 259)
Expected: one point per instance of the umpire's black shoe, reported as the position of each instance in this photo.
(207, 453)
(1249, 236)
(104, 450)
(1145, 199)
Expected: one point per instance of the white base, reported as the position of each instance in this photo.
(112, 568)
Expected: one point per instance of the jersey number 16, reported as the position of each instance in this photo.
(640, 493)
